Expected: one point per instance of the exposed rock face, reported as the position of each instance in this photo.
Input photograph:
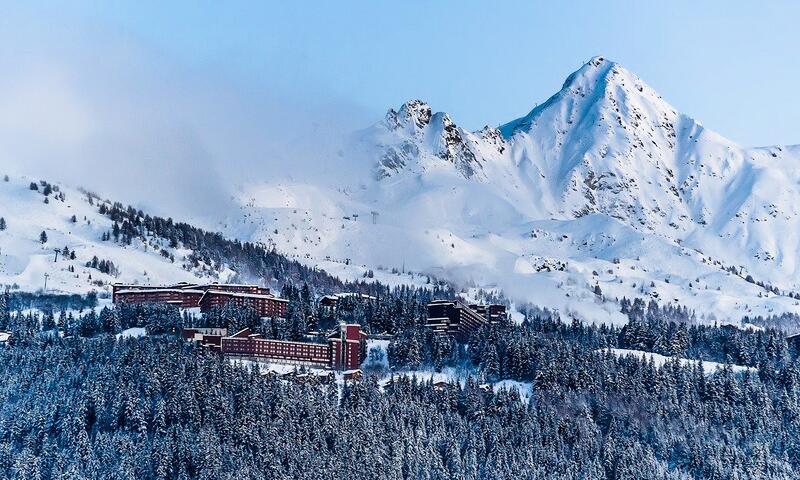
(413, 134)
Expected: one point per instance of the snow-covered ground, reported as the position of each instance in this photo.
(551, 263)
(133, 332)
(525, 389)
(448, 375)
(278, 368)
(264, 368)
(25, 260)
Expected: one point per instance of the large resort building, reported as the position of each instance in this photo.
(344, 349)
(458, 319)
(205, 296)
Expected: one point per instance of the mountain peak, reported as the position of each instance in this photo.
(598, 81)
(596, 69)
(416, 113)
(597, 60)
(415, 138)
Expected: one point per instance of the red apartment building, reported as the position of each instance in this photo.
(348, 347)
(205, 296)
(183, 298)
(265, 305)
(345, 349)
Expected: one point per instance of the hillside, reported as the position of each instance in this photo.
(100, 242)
(25, 259)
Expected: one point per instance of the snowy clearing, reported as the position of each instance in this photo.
(660, 360)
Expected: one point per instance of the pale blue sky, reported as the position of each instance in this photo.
(184, 100)
(733, 65)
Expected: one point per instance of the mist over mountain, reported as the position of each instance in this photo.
(107, 111)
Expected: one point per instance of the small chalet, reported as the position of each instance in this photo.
(441, 385)
(352, 375)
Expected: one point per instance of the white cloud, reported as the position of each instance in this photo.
(99, 109)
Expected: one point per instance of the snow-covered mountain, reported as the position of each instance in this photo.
(604, 183)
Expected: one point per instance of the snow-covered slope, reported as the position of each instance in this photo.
(603, 184)
(608, 143)
(25, 259)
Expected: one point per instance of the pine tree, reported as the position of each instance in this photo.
(491, 363)
(2, 223)
(43, 237)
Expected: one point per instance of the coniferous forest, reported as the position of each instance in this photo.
(90, 405)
